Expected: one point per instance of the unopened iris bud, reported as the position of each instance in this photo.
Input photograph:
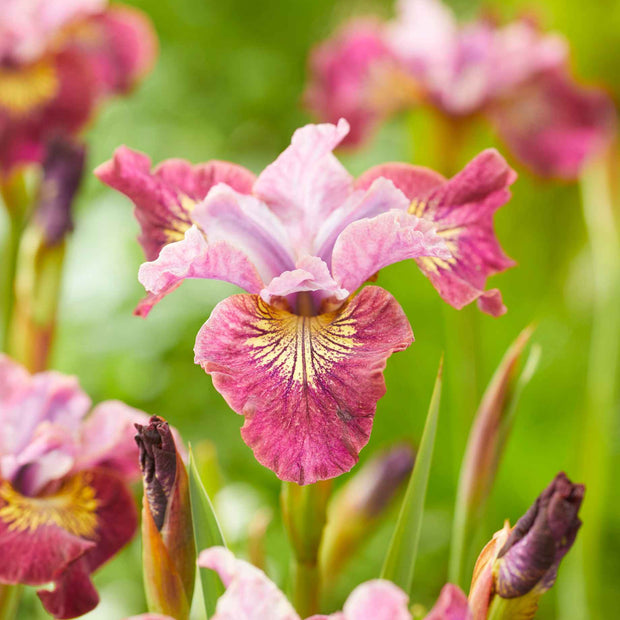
(62, 172)
(169, 555)
(520, 564)
(356, 510)
(541, 538)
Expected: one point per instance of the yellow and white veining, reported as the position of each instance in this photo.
(73, 508)
(27, 88)
(301, 348)
(181, 222)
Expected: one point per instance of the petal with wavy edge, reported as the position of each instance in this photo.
(165, 196)
(308, 386)
(306, 182)
(377, 600)
(194, 257)
(311, 274)
(250, 594)
(368, 245)
(451, 605)
(462, 210)
(107, 439)
(554, 125)
(379, 197)
(247, 224)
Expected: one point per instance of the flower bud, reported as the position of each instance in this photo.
(520, 564)
(356, 510)
(169, 554)
(62, 173)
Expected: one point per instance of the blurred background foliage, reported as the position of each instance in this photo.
(228, 85)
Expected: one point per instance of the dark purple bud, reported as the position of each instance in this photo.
(540, 539)
(62, 172)
(158, 461)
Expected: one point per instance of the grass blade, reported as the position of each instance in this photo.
(207, 533)
(401, 555)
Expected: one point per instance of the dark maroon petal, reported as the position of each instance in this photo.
(74, 593)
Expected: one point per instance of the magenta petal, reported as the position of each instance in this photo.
(164, 197)
(368, 245)
(554, 125)
(461, 210)
(306, 182)
(194, 257)
(451, 605)
(377, 600)
(250, 594)
(308, 386)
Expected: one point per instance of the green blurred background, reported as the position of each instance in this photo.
(227, 85)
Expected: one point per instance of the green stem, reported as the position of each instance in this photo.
(601, 383)
(9, 601)
(16, 199)
(304, 510)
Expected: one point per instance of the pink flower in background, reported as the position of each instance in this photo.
(251, 595)
(65, 505)
(514, 75)
(302, 356)
(58, 61)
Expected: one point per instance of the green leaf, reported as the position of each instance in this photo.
(207, 533)
(401, 555)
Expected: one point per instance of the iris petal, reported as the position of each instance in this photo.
(308, 386)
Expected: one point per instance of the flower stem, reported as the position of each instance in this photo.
(601, 382)
(16, 199)
(304, 510)
(9, 601)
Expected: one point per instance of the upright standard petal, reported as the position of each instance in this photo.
(554, 125)
(377, 600)
(165, 196)
(250, 594)
(308, 385)
(306, 182)
(462, 210)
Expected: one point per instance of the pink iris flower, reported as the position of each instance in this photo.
(514, 75)
(65, 504)
(251, 595)
(301, 356)
(58, 61)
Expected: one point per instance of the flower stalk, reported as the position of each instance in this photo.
(304, 511)
(601, 383)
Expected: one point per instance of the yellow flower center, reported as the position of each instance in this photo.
(27, 88)
(72, 507)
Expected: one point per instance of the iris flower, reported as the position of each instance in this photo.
(514, 75)
(250, 595)
(65, 504)
(301, 355)
(58, 61)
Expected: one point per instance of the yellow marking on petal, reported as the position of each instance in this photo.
(73, 508)
(417, 207)
(181, 221)
(301, 348)
(24, 89)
